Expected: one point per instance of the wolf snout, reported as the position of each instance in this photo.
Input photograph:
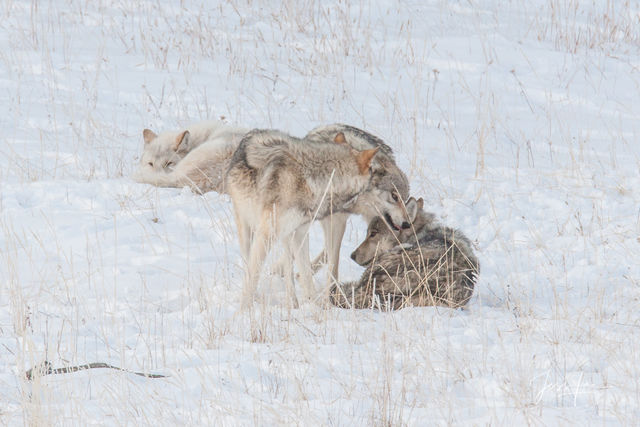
(390, 222)
(405, 225)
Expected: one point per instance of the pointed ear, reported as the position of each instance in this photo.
(148, 136)
(340, 139)
(412, 206)
(363, 158)
(182, 142)
(420, 204)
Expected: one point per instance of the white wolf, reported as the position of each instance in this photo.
(197, 157)
(280, 184)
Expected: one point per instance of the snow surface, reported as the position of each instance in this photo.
(516, 121)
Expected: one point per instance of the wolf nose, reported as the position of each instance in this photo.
(353, 256)
(405, 225)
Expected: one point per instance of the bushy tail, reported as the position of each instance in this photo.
(159, 179)
(199, 180)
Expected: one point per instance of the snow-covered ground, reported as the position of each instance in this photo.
(518, 122)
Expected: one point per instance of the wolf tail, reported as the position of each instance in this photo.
(467, 283)
(468, 279)
(159, 179)
(200, 181)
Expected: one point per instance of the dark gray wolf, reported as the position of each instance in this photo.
(426, 264)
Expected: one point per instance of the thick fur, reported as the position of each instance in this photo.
(280, 184)
(391, 177)
(427, 264)
(197, 157)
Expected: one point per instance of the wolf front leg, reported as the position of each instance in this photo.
(333, 228)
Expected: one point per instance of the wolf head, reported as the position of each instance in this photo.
(162, 152)
(382, 238)
(388, 185)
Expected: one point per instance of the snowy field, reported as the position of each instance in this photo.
(518, 122)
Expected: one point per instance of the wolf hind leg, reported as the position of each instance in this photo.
(285, 265)
(319, 261)
(245, 232)
(260, 243)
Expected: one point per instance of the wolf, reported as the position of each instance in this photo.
(392, 181)
(426, 264)
(280, 184)
(197, 157)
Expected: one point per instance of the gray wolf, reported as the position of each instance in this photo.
(387, 178)
(197, 157)
(426, 264)
(280, 184)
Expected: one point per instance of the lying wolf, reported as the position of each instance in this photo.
(280, 184)
(197, 157)
(426, 264)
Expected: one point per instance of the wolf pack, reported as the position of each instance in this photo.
(280, 185)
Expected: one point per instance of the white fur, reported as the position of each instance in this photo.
(200, 161)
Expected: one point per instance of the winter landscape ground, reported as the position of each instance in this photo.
(517, 121)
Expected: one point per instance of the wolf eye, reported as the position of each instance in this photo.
(395, 197)
(169, 165)
(373, 233)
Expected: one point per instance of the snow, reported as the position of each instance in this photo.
(516, 121)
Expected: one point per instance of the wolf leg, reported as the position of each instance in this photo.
(260, 242)
(286, 268)
(300, 252)
(244, 233)
(333, 229)
(319, 260)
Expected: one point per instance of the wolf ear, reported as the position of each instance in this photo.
(181, 143)
(340, 139)
(412, 206)
(148, 135)
(420, 204)
(363, 158)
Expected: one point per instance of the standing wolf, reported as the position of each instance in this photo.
(393, 180)
(426, 264)
(280, 184)
(197, 157)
